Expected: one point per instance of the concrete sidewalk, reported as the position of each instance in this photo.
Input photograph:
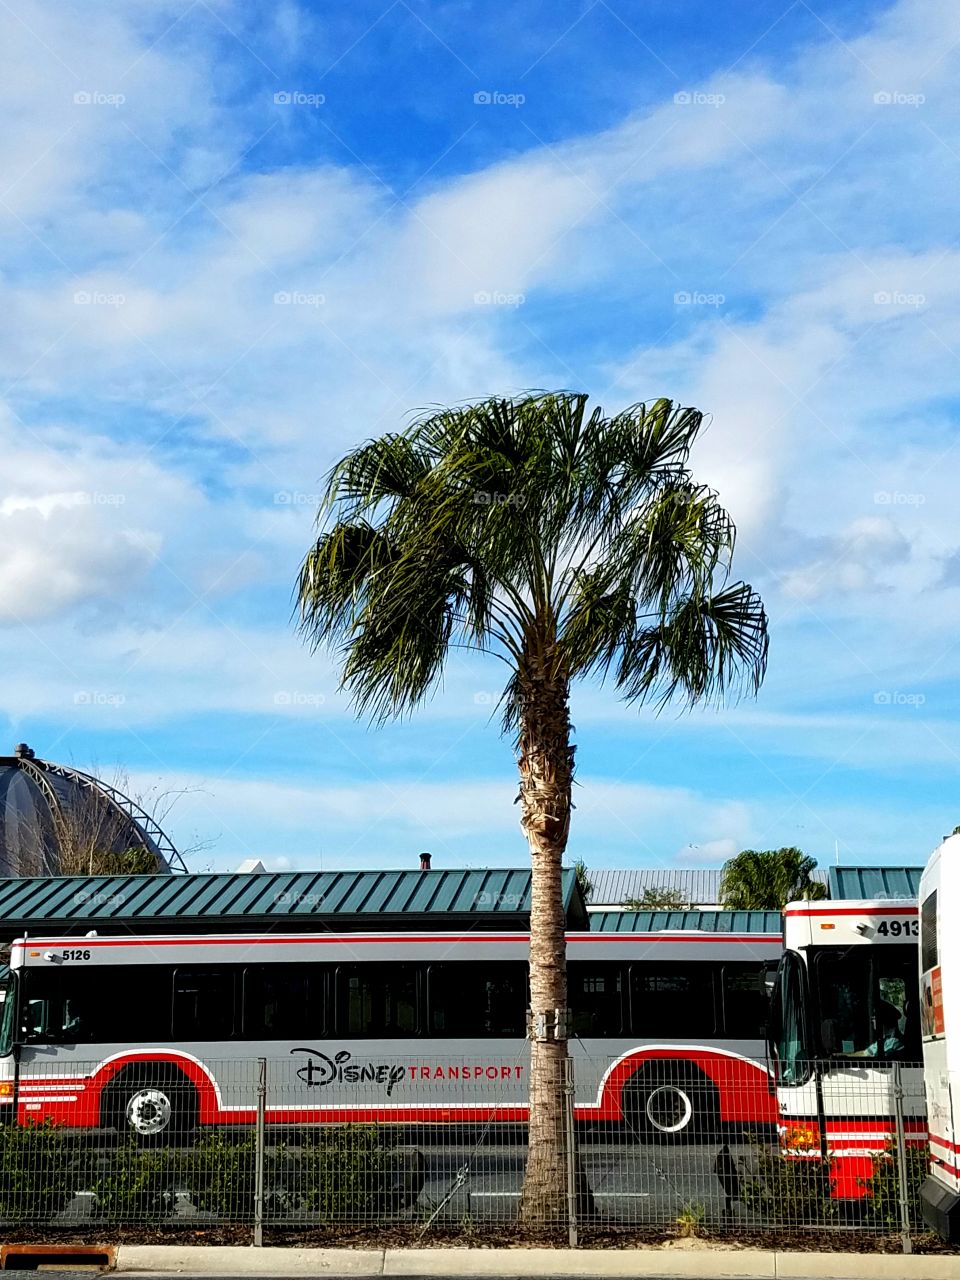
(715, 1263)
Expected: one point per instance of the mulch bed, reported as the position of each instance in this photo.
(407, 1236)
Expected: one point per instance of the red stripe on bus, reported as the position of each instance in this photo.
(360, 939)
(854, 911)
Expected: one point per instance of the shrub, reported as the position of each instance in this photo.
(345, 1173)
(882, 1190)
(786, 1191)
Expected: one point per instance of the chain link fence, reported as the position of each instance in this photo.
(326, 1139)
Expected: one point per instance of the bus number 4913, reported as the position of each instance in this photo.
(898, 928)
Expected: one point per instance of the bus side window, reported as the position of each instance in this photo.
(378, 999)
(283, 1001)
(467, 1000)
(203, 1004)
(596, 998)
(744, 1002)
(673, 1000)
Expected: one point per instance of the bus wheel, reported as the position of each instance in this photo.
(152, 1105)
(671, 1105)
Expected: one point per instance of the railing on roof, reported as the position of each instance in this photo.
(122, 803)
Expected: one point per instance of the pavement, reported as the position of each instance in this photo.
(705, 1263)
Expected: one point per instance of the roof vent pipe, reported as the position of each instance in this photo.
(424, 862)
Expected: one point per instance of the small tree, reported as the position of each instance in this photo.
(583, 879)
(768, 880)
(659, 899)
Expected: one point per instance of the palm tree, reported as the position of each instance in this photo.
(567, 545)
(768, 880)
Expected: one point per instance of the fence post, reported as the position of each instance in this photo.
(571, 1151)
(259, 1154)
(901, 1158)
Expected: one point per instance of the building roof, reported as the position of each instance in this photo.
(49, 811)
(875, 882)
(613, 888)
(293, 900)
(700, 886)
(689, 921)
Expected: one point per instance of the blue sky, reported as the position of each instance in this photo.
(237, 240)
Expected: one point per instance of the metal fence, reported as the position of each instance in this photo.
(302, 1143)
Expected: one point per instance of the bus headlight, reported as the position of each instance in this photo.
(6, 1091)
(800, 1137)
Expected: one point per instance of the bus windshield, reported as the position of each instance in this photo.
(866, 1002)
(6, 1011)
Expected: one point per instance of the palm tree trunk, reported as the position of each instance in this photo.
(545, 759)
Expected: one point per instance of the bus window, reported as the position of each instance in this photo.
(744, 1002)
(868, 1005)
(929, 951)
(469, 1000)
(596, 998)
(787, 1023)
(672, 1001)
(203, 1004)
(283, 1002)
(8, 999)
(377, 999)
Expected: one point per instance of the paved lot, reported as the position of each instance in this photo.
(632, 1183)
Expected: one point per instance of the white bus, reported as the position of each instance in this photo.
(844, 1009)
(940, 1025)
(149, 1033)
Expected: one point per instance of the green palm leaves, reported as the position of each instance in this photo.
(768, 880)
(531, 525)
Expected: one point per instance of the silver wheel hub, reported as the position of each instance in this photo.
(668, 1108)
(149, 1111)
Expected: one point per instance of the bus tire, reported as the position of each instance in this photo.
(672, 1102)
(152, 1104)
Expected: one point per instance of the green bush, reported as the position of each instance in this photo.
(345, 1173)
(785, 1191)
(882, 1198)
(40, 1169)
(337, 1175)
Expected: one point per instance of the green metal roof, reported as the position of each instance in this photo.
(687, 921)
(875, 882)
(334, 899)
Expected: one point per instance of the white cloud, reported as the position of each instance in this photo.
(854, 561)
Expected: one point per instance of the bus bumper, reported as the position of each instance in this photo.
(941, 1210)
